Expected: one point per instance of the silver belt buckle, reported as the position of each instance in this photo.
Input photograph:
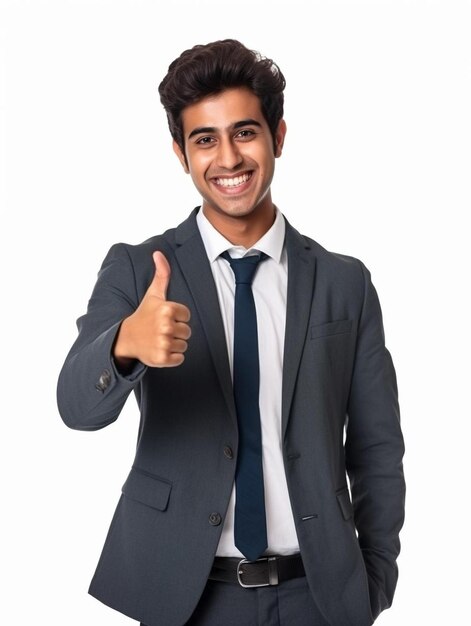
(272, 572)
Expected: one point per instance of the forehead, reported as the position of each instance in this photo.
(222, 110)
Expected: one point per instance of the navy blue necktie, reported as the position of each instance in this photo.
(250, 527)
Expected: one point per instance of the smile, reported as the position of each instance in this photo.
(233, 182)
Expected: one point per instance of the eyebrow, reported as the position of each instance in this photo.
(212, 129)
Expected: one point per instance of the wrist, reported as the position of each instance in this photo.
(121, 351)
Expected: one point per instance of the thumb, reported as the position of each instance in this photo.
(159, 284)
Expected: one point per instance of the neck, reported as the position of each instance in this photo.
(242, 230)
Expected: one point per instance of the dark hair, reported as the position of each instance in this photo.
(211, 68)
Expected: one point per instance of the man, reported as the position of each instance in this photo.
(259, 395)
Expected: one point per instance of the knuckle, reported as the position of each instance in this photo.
(160, 358)
(166, 309)
(166, 328)
(164, 344)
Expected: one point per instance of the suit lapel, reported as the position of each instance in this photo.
(193, 261)
(194, 264)
(301, 274)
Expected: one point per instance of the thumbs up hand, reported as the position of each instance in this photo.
(157, 332)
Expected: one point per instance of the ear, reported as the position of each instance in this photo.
(280, 138)
(181, 156)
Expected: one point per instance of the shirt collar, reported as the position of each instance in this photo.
(215, 244)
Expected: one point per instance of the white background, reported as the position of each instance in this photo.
(376, 164)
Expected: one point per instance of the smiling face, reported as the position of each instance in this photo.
(231, 159)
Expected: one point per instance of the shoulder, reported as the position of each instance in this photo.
(167, 242)
(130, 267)
(139, 255)
(128, 263)
(335, 266)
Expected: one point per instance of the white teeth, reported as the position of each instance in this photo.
(232, 182)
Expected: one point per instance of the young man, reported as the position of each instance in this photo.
(252, 351)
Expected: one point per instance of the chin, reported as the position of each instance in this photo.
(232, 211)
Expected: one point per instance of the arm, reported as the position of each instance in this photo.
(91, 391)
(119, 337)
(374, 450)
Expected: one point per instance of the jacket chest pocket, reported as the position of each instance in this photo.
(333, 345)
(331, 329)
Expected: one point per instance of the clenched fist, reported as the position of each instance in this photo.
(157, 332)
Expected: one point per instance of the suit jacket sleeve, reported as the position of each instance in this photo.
(374, 450)
(91, 392)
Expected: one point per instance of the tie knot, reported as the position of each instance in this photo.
(244, 268)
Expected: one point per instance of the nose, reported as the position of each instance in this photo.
(228, 156)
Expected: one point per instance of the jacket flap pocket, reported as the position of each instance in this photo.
(331, 328)
(343, 498)
(147, 489)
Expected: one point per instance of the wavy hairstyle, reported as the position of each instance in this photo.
(210, 69)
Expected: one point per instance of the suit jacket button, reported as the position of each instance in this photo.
(228, 452)
(215, 519)
(104, 381)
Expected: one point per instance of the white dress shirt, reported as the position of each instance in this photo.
(269, 289)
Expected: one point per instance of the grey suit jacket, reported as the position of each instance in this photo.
(337, 373)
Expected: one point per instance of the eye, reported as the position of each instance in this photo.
(205, 141)
(246, 133)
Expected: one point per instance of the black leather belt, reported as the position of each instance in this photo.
(264, 572)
